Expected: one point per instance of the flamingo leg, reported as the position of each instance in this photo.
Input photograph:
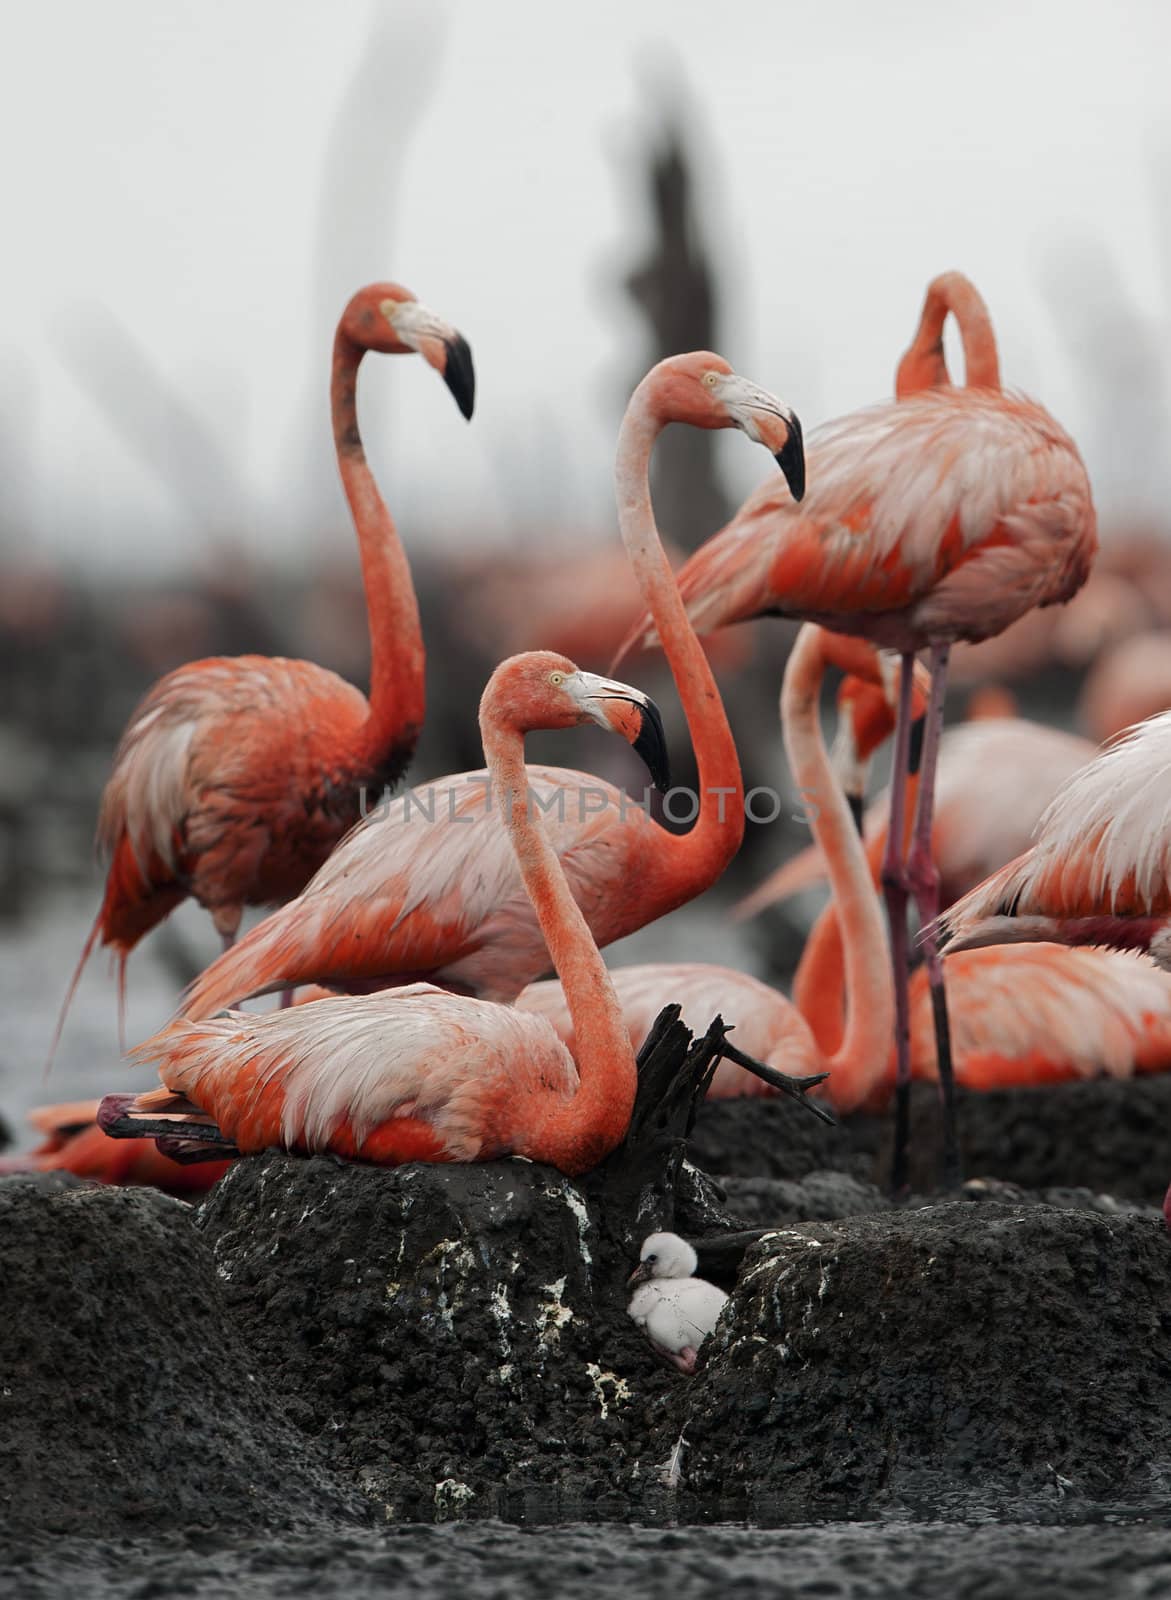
(923, 881)
(896, 893)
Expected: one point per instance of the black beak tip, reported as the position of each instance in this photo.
(459, 374)
(791, 460)
(651, 745)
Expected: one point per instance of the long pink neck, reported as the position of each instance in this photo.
(698, 857)
(860, 1062)
(397, 691)
(573, 1135)
(925, 366)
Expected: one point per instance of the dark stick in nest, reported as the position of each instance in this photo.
(642, 1182)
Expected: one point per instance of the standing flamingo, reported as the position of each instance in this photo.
(940, 516)
(427, 888)
(767, 1026)
(425, 1075)
(237, 775)
(1099, 872)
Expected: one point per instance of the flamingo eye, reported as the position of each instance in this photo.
(650, 1260)
(710, 379)
(556, 677)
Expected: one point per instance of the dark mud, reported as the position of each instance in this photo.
(1105, 1135)
(858, 1561)
(277, 1392)
(128, 1400)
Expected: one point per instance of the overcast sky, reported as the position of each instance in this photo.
(164, 168)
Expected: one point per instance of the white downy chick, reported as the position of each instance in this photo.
(675, 1310)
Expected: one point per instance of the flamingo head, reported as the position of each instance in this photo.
(387, 318)
(701, 389)
(543, 689)
(664, 1255)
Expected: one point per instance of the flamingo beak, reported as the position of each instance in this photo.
(458, 373)
(621, 709)
(766, 421)
(791, 458)
(641, 1274)
(440, 346)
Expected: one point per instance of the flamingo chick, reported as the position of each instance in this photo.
(421, 1074)
(675, 1310)
(236, 776)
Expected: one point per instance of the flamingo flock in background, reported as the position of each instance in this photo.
(934, 519)
(237, 775)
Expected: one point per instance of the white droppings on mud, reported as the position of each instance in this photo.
(581, 1216)
(600, 1379)
(823, 1283)
(552, 1314)
(454, 1253)
(502, 1315)
(451, 1497)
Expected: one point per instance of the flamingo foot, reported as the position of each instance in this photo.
(684, 1359)
(185, 1140)
(796, 1088)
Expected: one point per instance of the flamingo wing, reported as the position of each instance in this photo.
(222, 784)
(914, 506)
(1100, 870)
(414, 1074)
(1044, 1013)
(427, 886)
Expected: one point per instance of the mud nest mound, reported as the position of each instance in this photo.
(128, 1401)
(454, 1337)
(954, 1360)
(1107, 1135)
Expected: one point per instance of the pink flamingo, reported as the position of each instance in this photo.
(236, 776)
(769, 1027)
(1099, 872)
(423, 1074)
(941, 516)
(428, 888)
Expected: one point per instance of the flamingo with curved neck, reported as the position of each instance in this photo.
(399, 901)
(237, 775)
(424, 1074)
(768, 1026)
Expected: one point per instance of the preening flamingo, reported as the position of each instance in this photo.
(940, 516)
(767, 1026)
(675, 1310)
(428, 888)
(74, 1143)
(236, 776)
(423, 1074)
(1099, 872)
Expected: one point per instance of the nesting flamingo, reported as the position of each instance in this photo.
(1099, 872)
(767, 1026)
(941, 516)
(675, 1310)
(236, 776)
(427, 888)
(423, 1074)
